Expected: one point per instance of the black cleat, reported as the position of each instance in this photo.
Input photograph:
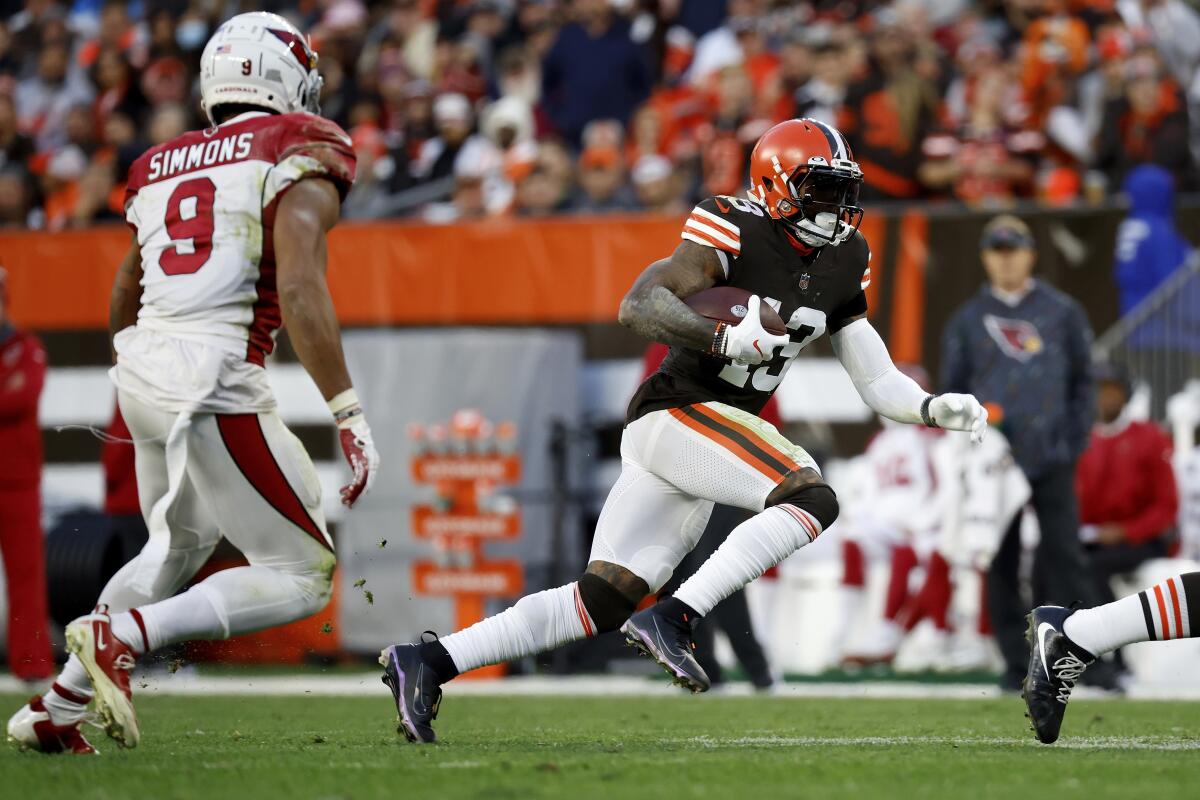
(1055, 666)
(669, 642)
(415, 688)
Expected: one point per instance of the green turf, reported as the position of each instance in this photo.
(685, 747)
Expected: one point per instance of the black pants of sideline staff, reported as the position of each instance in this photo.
(731, 615)
(1062, 573)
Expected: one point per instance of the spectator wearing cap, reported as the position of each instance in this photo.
(22, 374)
(508, 124)
(1024, 346)
(1128, 501)
(543, 193)
(602, 182)
(1149, 125)
(594, 71)
(657, 186)
(455, 150)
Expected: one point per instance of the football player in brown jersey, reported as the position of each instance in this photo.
(693, 437)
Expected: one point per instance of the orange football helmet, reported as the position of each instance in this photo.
(802, 170)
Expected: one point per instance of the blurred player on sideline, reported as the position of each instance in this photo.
(692, 437)
(229, 229)
(892, 517)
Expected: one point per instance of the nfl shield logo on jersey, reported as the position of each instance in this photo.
(804, 282)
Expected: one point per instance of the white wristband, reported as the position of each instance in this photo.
(345, 407)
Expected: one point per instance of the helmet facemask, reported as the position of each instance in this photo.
(822, 208)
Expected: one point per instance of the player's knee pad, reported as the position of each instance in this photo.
(813, 495)
(605, 604)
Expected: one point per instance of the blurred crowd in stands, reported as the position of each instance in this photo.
(461, 109)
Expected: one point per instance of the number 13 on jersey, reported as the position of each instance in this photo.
(807, 324)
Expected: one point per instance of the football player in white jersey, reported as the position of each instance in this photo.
(229, 228)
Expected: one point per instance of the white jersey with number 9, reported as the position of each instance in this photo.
(203, 207)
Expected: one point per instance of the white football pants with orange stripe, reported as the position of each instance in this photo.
(675, 464)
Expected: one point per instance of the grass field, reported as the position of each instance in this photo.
(663, 747)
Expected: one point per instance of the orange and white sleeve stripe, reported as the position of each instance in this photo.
(1165, 607)
(706, 228)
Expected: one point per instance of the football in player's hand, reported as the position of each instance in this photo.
(728, 304)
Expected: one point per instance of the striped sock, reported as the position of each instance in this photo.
(751, 549)
(536, 623)
(1164, 611)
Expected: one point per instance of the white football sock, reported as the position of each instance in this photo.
(1160, 612)
(232, 602)
(751, 549)
(537, 622)
(67, 700)
(126, 628)
(187, 616)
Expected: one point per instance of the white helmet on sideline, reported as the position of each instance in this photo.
(259, 59)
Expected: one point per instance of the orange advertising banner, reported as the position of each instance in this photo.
(492, 272)
(500, 578)
(499, 469)
(430, 523)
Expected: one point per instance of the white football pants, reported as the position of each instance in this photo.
(675, 464)
(242, 476)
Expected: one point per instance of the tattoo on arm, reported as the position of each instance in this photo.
(621, 579)
(653, 307)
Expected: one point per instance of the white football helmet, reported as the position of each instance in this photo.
(259, 59)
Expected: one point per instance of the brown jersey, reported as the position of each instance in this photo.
(814, 293)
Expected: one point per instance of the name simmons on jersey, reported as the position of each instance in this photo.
(814, 290)
(202, 154)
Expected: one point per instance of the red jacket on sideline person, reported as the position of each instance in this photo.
(22, 373)
(1125, 477)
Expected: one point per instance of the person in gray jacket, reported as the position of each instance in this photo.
(1025, 346)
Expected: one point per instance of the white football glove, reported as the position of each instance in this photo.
(748, 342)
(358, 446)
(959, 412)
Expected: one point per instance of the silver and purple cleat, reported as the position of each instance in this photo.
(668, 642)
(415, 689)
